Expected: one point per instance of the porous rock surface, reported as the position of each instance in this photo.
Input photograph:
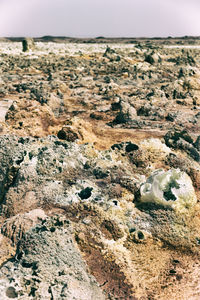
(100, 174)
(48, 266)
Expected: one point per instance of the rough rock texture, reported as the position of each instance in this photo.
(4, 107)
(100, 174)
(48, 266)
(173, 188)
(98, 191)
(28, 44)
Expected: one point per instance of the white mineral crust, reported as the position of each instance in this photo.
(172, 188)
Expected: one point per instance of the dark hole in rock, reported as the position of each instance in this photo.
(168, 194)
(198, 241)
(172, 271)
(107, 79)
(52, 229)
(26, 264)
(140, 235)
(21, 141)
(132, 230)
(86, 165)
(131, 147)
(11, 292)
(19, 161)
(59, 143)
(19, 255)
(32, 292)
(32, 265)
(95, 116)
(100, 174)
(62, 135)
(86, 193)
(117, 146)
(30, 155)
(171, 117)
(42, 229)
(60, 169)
(176, 261)
(116, 106)
(121, 118)
(60, 222)
(61, 273)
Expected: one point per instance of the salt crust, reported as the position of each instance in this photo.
(172, 188)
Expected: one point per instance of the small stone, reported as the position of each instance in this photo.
(86, 221)
(152, 58)
(11, 292)
(5, 105)
(66, 133)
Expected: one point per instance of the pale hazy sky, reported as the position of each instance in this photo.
(91, 18)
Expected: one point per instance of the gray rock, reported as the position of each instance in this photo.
(153, 58)
(28, 44)
(4, 107)
(48, 266)
(182, 140)
(197, 143)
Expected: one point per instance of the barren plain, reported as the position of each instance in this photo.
(100, 169)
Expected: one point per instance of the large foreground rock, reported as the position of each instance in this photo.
(48, 266)
(76, 226)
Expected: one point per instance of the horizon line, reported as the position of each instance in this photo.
(101, 37)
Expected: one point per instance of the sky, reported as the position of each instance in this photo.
(92, 18)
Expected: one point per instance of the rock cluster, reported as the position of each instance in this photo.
(100, 174)
(128, 93)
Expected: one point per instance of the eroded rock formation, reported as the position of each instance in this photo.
(100, 174)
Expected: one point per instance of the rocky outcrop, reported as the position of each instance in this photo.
(4, 107)
(28, 44)
(47, 265)
(99, 177)
(94, 201)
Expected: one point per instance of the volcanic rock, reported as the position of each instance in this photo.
(28, 44)
(59, 273)
(100, 177)
(4, 107)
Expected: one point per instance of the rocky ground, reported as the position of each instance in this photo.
(100, 170)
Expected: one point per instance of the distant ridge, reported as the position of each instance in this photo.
(101, 39)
